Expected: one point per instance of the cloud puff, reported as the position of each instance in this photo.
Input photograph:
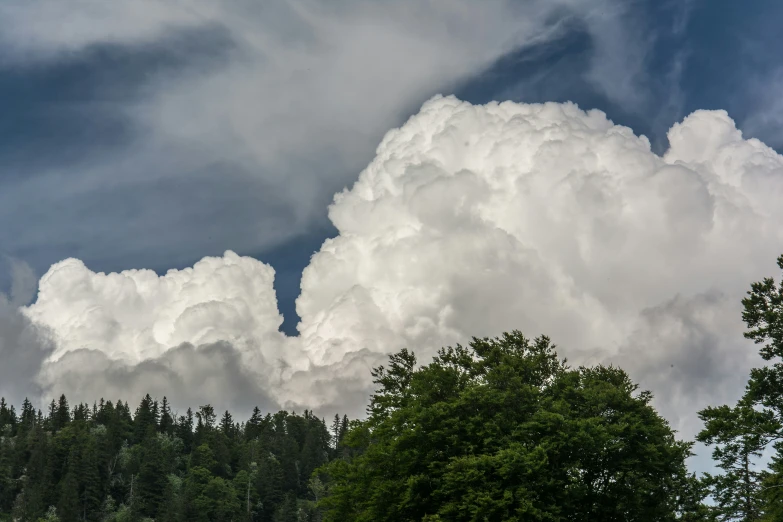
(470, 221)
(473, 220)
(140, 315)
(209, 333)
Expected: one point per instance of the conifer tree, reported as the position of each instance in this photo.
(738, 444)
(253, 425)
(184, 430)
(62, 415)
(741, 433)
(144, 420)
(151, 480)
(227, 424)
(7, 416)
(68, 506)
(166, 423)
(335, 431)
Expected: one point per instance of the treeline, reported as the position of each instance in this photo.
(106, 462)
(500, 430)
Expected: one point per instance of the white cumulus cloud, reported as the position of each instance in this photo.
(470, 221)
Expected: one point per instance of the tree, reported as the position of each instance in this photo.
(335, 431)
(50, 516)
(151, 480)
(742, 433)
(503, 430)
(62, 415)
(7, 417)
(253, 425)
(166, 423)
(69, 505)
(90, 480)
(144, 422)
(738, 444)
(227, 425)
(184, 429)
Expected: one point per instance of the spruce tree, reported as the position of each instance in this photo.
(7, 417)
(227, 424)
(166, 423)
(62, 415)
(69, 506)
(253, 425)
(144, 419)
(90, 480)
(151, 480)
(335, 431)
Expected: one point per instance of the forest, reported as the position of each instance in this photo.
(499, 430)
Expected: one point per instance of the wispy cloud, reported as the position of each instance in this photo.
(230, 125)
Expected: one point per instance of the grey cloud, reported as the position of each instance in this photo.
(342, 387)
(688, 352)
(23, 348)
(187, 375)
(24, 283)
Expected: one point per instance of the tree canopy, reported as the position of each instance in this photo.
(503, 430)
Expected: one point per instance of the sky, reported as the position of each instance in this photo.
(255, 203)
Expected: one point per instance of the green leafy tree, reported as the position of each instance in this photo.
(503, 430)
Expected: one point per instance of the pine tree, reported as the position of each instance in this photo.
(39, 487)
(144, 419)
(335, 431)
(7, 417)
(166, 423)
(90, 480)
(171, 509)
(68, 506)
(51, 415)
(343, 428)
(269, 482)
(288, 510)
(253, 425)
(7, 483)
(62, 415)
(227, 425)
(27, 416)
(737, 491)
(151, 480)
(743, 432)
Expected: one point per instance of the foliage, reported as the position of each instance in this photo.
(742, 433)
(502, 430)
(102, 463)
